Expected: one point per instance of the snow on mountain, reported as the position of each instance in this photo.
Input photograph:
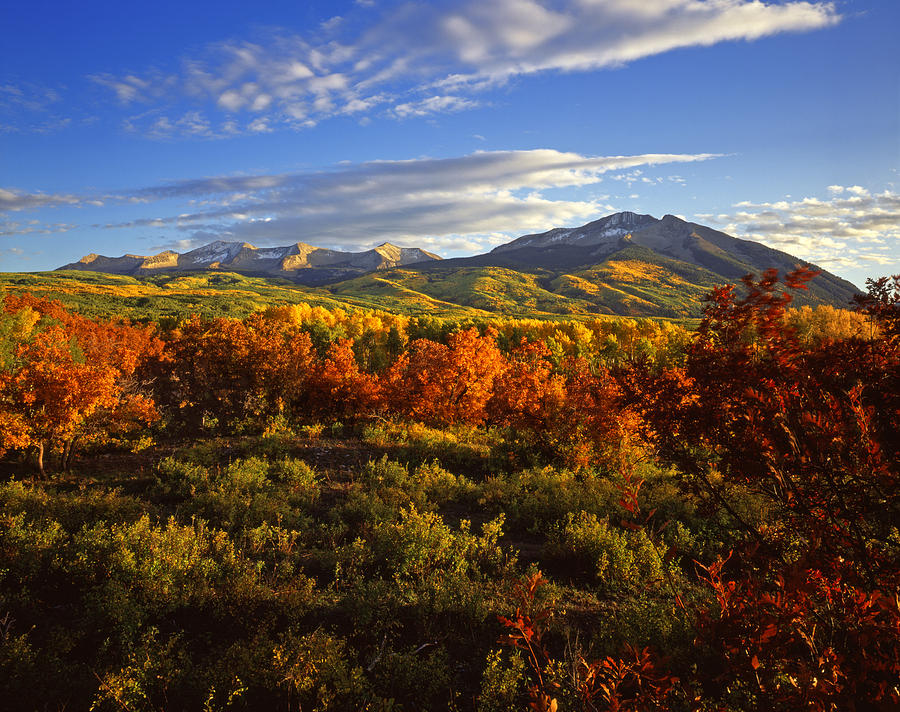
(604, 230)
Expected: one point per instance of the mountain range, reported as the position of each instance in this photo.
(300, 262)
(625, 263)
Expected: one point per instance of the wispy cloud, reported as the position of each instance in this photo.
(433, 105)
(14, 200)
(131, 88)
(425, 58)
(30, 108)
(440, 203)
(29, 97)
(853, 227)
(32, 227)
(443, 204)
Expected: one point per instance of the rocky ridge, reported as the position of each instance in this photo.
(301, 262)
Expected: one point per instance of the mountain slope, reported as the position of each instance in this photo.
(698, 245)
(625, 263)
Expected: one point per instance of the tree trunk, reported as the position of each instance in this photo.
(69, 454)
(40, 460)
(64, 455)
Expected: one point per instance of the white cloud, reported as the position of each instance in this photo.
(407, 49)
(231, 100)
(13, 200)
(32, 227)
(331, 23)
(192, 123)
(433, 105)
(131, 88)
(30, 108)
(852, 227)
(259, 126)
(429, 201)
(511, 28)
(28, 97)
(440, 203)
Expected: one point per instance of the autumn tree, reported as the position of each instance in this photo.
(337, 386)
(445, 384)
(594, 425)
(64, 377)
(239, 373)
(805, 613)
(528, 395)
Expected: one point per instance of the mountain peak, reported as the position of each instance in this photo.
(605, 231)
(625, 217)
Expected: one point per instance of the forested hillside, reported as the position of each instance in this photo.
(306, 507)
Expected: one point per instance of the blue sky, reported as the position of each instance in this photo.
(454, 126)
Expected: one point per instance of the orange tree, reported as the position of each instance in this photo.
(337, 386)
(527, 395)
(64, 377)
(235, 374)
(445, 384)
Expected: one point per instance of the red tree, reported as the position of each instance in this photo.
(806, 612)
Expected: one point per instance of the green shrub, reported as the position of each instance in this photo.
(418, 677)
(386, 486)
(30, 549)
(383, 488)
(503, 682)
(179, 479)
(245, 493)
(457, 446)
(419, 545)
(439, 486)
(208, 453)
(616, 559)
(277, 548)
(319, 672)
(417, 571)
(154, 669)
(300, 479)
(385, 474)
(162, 567)
(244, 477)
(22, 668)
(537, 499)
(312, 431)
(427, 486)
(269, 446)
(70, 509)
